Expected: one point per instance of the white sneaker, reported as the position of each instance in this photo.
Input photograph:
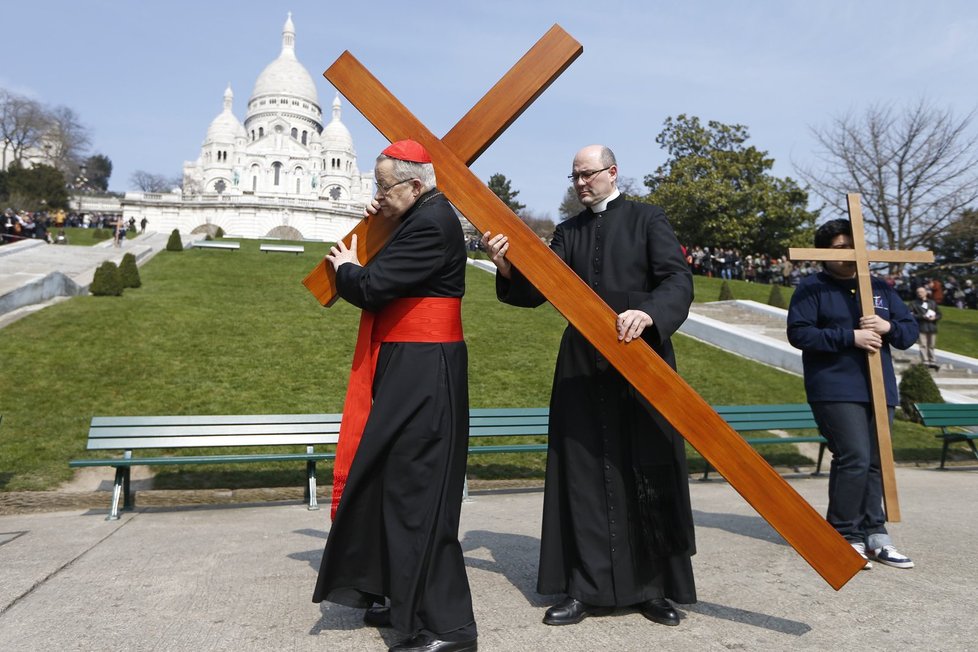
(860, 547)
(891, 557)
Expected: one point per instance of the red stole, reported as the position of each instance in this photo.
(414, 319)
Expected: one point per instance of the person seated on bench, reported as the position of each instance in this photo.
(824, 322)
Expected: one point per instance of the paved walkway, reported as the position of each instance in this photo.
(757, 331)
(34, 274)
(241, 578)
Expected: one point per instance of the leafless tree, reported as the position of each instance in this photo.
(149, 182)
(22, 125)
(66, 140)
(916, 169)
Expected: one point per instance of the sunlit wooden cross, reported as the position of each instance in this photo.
(773, 498)
(468, 139)
(863, 258)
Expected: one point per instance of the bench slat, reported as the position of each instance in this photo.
(204, 459)
(210, 441)
(215, 419)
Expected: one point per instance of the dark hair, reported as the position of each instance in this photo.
(828, 232)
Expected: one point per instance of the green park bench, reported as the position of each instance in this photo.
(226, 432)
(787, 416)
(285, 249)
(214, 244)
(161, 433)
(167, 433)
(958, 423)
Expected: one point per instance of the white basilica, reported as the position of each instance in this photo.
(280, 174)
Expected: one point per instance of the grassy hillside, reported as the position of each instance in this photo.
(218, 332)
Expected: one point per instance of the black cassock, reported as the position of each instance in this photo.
(396, 527)
(617, 522)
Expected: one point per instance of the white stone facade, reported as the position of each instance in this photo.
(282, 173)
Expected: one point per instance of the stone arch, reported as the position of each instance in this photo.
(283, 232)
(209, 229)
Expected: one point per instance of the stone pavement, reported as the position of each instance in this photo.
(241, 578)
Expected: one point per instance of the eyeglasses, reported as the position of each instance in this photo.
(385, 190)
(587, 175)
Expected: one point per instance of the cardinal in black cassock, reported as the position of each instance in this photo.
(400, 463)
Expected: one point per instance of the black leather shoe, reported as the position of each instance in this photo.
(658, 610)
(377, 616)
(571, 611)
(427, 643)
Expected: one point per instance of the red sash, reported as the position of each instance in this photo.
(416, 319)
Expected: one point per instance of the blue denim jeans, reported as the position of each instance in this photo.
(855, 481)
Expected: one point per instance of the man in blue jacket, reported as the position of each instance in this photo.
(825, 322)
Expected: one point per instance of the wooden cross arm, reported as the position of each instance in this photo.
(873, 255)
(774, 499)
(468, 139)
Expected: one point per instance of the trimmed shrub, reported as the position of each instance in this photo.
(917, 386)
(726, 294)
(101, 234)
(174, 243)
(107, 281)
(129, 272)
(219, 233)
(775, 299)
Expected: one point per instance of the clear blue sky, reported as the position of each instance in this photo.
(148, 77)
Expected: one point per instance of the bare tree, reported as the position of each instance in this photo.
(916, 170)
(66, 140)
(541, 223)
(149, 182)
(22, 125)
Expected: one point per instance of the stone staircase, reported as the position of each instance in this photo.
(757, 331)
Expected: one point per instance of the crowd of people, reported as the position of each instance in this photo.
(730, 263)
(50, 225)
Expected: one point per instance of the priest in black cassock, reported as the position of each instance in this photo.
(617, 522)
(400, 467)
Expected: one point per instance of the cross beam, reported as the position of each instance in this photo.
(863, 257)
(468, 139)
(773, 498)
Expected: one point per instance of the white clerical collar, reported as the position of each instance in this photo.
(602, 205)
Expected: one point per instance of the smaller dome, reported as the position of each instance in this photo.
(225, 127)
(335, 135)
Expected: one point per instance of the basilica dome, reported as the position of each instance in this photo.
(286, 76)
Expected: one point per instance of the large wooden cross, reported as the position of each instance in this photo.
(468, 139)
(773, 498)
(863, 257)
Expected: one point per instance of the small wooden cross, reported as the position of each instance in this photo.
(863, 258)
(746, 471)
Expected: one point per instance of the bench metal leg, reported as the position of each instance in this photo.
(310, 492)
(944, 454)
(971, 442)
(821, 454)
(706, 471)
(117, 489)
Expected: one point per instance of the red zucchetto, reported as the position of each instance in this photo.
(408, 150)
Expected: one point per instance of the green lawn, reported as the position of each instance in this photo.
(218, 332)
